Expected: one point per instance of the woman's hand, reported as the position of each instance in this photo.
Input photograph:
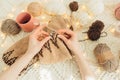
(37, 39)
(69, 37)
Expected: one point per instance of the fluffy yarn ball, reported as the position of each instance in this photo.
(74, 6)
(99, 25)
(105, 57)
(9, 26)
(35, 9)
(93, 34)
(95, 29)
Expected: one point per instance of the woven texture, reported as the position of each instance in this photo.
(67, 70)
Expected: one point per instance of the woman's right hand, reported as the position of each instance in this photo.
(69, 37)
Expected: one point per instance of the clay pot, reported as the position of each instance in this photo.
(117, 11)
(26, 21)
(35, 9)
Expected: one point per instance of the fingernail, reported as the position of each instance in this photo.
(59, 35)
(36, 23)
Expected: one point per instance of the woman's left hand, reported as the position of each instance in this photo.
(37, 39)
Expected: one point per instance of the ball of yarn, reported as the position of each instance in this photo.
(99, 25)
(35, 9)
(73, 6)
(9, 26)
(105, 57)
(117, 11)
(93, 34)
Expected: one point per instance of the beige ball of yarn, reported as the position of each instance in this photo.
(105, 57)
(9, 26)
(35, 9)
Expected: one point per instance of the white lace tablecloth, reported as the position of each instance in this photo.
(66, 70)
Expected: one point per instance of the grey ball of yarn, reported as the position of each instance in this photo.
(10, 27)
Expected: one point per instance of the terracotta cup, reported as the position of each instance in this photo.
(117, 11)
(27, 22)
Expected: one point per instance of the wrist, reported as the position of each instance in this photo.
(77, 52)
(76, 49)
(30, 52)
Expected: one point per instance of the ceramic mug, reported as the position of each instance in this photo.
(27, 22)
(117, 11)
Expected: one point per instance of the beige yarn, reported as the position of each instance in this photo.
(105, 57)
(35, 9)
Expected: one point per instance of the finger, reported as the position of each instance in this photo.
(43, 32)
(62, 31)
(38, 31)
(68, 36)
(45, 40)
(63, 38)
(69, 32)
(40, 35)
(36, 22)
